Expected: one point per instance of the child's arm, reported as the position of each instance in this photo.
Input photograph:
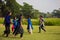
(12, 21)
(43, 20)
(21, 22)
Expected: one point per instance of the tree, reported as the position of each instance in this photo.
(14, 7)
(17, 9)
(10, 5)
(48, 15)
(35, 13)
(2, 8)
(27, 9)
(56, 13)
(43, 14)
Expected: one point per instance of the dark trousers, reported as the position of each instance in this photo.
(21, 34)
(41, 27)
(18, 30)
(7, 29)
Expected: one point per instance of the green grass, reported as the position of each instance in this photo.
(1, 20)
(53, 33)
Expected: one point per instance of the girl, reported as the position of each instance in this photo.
(41, 24)
(14, 24)
(19, 28)
(29, 28)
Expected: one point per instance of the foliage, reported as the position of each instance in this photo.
(56, 13)
(48, 21)
(27, 9)
(35, 13)
(11, 5)
(14, 7)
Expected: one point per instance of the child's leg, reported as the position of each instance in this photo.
(39, 29)
(8, 31)
(14, 31)
(30, 31)
(21, 35)
(5, 31)
(43, 29)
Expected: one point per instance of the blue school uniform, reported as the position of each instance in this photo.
(15, 23)
(7, 19)
(29, 24)
(19, 28)
(7, 24)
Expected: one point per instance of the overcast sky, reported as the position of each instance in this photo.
(42, 5)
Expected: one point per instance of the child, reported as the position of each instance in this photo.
(19, 28)
(29, 28)
(14, 24)
(7, 24)
(41, 24)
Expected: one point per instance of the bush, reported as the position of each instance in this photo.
(48, 21)
(52, 21)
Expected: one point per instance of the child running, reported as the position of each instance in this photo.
(7, 24)
(19, 28)
(29, 28)
(14, 24)
(41, 24)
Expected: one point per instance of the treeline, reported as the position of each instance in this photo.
(54, 14)
(26, 9)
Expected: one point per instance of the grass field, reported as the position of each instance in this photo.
(53, 33)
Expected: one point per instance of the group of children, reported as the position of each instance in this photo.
(17, 25)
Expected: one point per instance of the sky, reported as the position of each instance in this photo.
(42, 5)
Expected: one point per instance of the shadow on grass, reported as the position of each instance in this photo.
(16, 37)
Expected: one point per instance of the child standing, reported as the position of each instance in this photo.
(19, 28)
(29, 28)
(41, 24)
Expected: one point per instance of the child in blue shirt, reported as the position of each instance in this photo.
(7, 24)
(29, 28)
(19, 28)
(14, 24)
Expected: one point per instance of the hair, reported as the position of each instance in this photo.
(14, 17)
(41, 16)
(8, 12)
(28, 16)
(20, 17)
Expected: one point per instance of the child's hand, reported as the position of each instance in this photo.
(3, 24)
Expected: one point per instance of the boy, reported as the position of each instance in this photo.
(7, 24)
